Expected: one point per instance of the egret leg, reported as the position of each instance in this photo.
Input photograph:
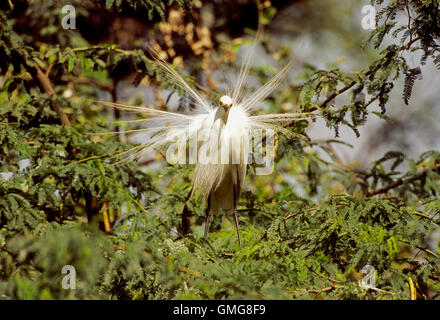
(236, 226)
(236, 199)
(208, 215)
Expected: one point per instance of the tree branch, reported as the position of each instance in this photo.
(401, 181)
(45, 85)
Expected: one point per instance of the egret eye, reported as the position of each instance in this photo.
(225, 101)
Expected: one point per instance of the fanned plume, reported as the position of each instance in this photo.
(244, 69)
(178, 79)
(164, 127)
(253, 100)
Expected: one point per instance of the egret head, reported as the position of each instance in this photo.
(225, 102)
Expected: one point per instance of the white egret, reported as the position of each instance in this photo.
(230, 123)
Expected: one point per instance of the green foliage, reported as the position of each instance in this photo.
(151, 6)
(309, 239)
(376, 82)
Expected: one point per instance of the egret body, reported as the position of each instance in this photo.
(224, 192)
(228, 126)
